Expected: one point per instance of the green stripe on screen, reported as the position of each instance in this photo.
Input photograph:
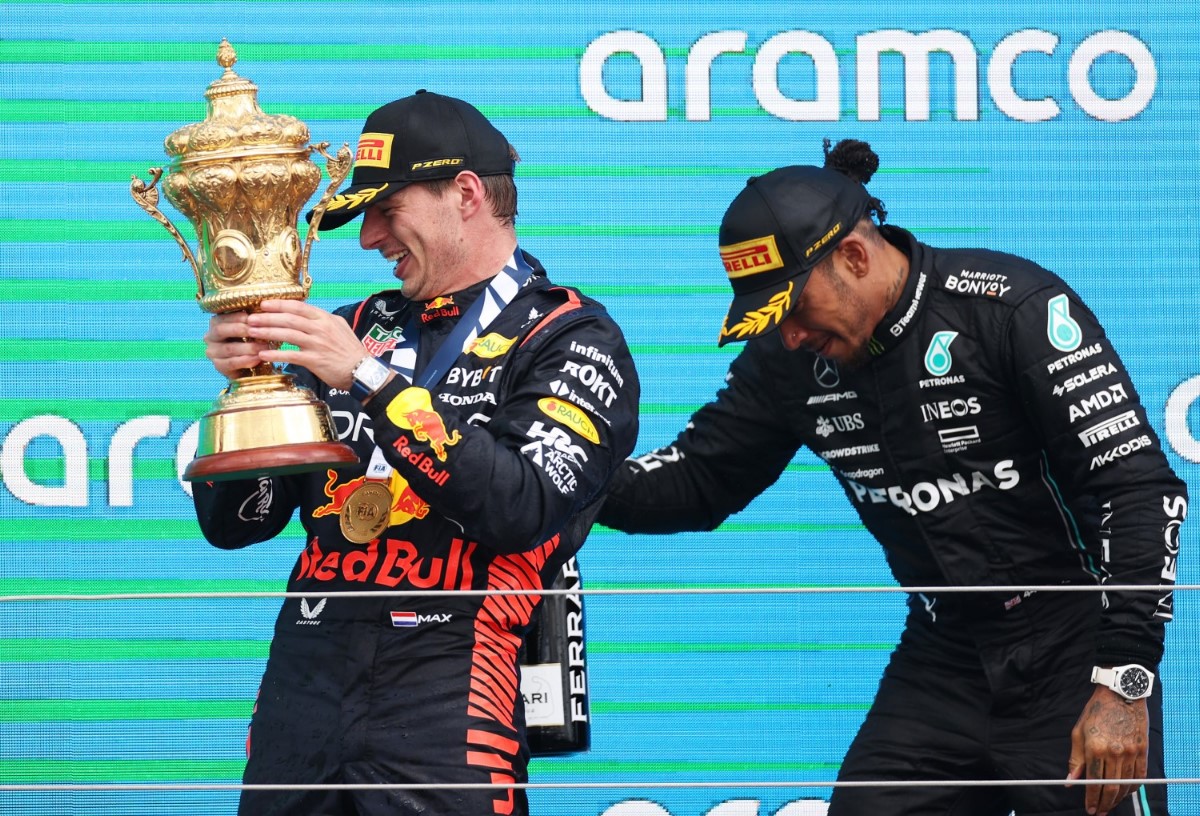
(92, 410)
(79, 529)
(132, 53)
(189, 351)
(72, 111)
(16, 711)
(129, 771)
(184, 771)
(35, 711)
(733, 707)
(11, 587)
(43, 711)
(107, 650)
(174, 529)
(94, 111)
(184, 290)
(74, 231)
(46, 170)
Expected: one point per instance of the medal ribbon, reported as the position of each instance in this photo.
(486, 308)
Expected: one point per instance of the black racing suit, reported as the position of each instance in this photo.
(495, 486)
(992, 438)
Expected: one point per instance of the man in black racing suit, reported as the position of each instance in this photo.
(984, 428)
(489, 472)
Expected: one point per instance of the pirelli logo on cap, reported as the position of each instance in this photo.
(374, 150)
(751, 257)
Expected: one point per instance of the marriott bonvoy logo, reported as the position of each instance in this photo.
(1031, 102)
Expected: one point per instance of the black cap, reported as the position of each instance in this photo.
(776, 230)
(421, 137)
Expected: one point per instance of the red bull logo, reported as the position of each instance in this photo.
(439, 302)
(338, 494)
(413, 409)
(407, 505)
(391, 563)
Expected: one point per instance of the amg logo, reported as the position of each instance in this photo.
(1109, 428)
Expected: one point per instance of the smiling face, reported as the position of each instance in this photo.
(420, 230)
(845, 298)
(831, 318)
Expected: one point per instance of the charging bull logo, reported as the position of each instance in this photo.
(406, 504)
(413, 409)
(338, 494)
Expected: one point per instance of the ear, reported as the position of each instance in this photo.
(471, 193)
(856, 254)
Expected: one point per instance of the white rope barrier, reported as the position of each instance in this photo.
(913, 590)
(897, 783)
(631, 785)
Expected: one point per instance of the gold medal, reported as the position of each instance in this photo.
(365, 514)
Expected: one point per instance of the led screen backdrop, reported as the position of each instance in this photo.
(1064, 132)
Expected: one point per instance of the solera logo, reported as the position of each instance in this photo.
(915, 50)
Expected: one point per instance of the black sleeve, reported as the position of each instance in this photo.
(517, 480)
(732, 449)
(241, 512)
(1106, 461)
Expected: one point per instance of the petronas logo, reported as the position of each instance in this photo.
(937, 358)
(1063, 331)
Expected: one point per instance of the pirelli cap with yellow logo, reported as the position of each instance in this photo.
(777, 229)
(421, 137)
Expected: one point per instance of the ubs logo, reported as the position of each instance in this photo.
(826, 373)
(845, 423)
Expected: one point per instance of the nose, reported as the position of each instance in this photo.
(372, 231)
(792, 332)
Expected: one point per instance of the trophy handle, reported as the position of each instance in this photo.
(146, 195)
(338, 167)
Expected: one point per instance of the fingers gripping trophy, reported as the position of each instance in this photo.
(241, 178)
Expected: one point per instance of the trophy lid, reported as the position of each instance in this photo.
(235, 125)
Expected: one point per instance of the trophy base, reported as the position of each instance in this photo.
(265, 425)
(279, 460)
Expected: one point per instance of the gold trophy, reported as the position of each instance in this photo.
(241, 177)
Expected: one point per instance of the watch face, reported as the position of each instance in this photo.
(1134, 683)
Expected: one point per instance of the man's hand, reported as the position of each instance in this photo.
(325, 344)
(1110, 741)
(227, 345)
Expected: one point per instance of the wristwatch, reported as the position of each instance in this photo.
(368, 377)
(1133, 682)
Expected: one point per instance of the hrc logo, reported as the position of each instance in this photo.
(751, 257)
(374, 150)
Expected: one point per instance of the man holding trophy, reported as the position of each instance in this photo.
(491, 409)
